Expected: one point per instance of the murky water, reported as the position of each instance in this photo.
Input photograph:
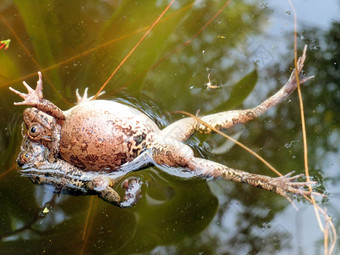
(78, 44)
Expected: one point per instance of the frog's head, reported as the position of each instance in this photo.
(31, 153)
(39, 125)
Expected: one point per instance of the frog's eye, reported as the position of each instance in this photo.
(35, 130)
(24, 157)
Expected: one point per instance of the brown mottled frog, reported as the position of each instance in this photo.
(106, 136)
(69, 179)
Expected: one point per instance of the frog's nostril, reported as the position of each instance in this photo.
(19, 162)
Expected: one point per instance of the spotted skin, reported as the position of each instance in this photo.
(107, 136)
(117, 136)
(68, 179)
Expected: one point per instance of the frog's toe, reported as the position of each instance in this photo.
(30, 97)
(39, 87)
(81, 99)
(33, 96)
(290, 184)
(22, 95)
(78, 95)
(85, 98)
(132, 192)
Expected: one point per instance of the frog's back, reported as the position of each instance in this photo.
(102, 135)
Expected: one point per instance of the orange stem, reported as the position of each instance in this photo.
(134, 48)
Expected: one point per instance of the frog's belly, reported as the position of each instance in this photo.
(102, 135)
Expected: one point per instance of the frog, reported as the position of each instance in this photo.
(107, 136)
(68, 179)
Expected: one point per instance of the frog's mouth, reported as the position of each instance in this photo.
(62, 182)
(66, 182)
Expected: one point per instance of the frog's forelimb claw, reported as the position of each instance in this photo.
(32, 96)
(35, 98)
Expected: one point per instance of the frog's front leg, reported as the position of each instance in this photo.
(177, 154)
(181, 130)
(103, 186)
(35, 98)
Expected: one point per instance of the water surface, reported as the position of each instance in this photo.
(78, 44)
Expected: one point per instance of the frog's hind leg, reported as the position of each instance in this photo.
(181, 155)
(181, 130)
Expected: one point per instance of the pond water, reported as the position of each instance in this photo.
(247, 50)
